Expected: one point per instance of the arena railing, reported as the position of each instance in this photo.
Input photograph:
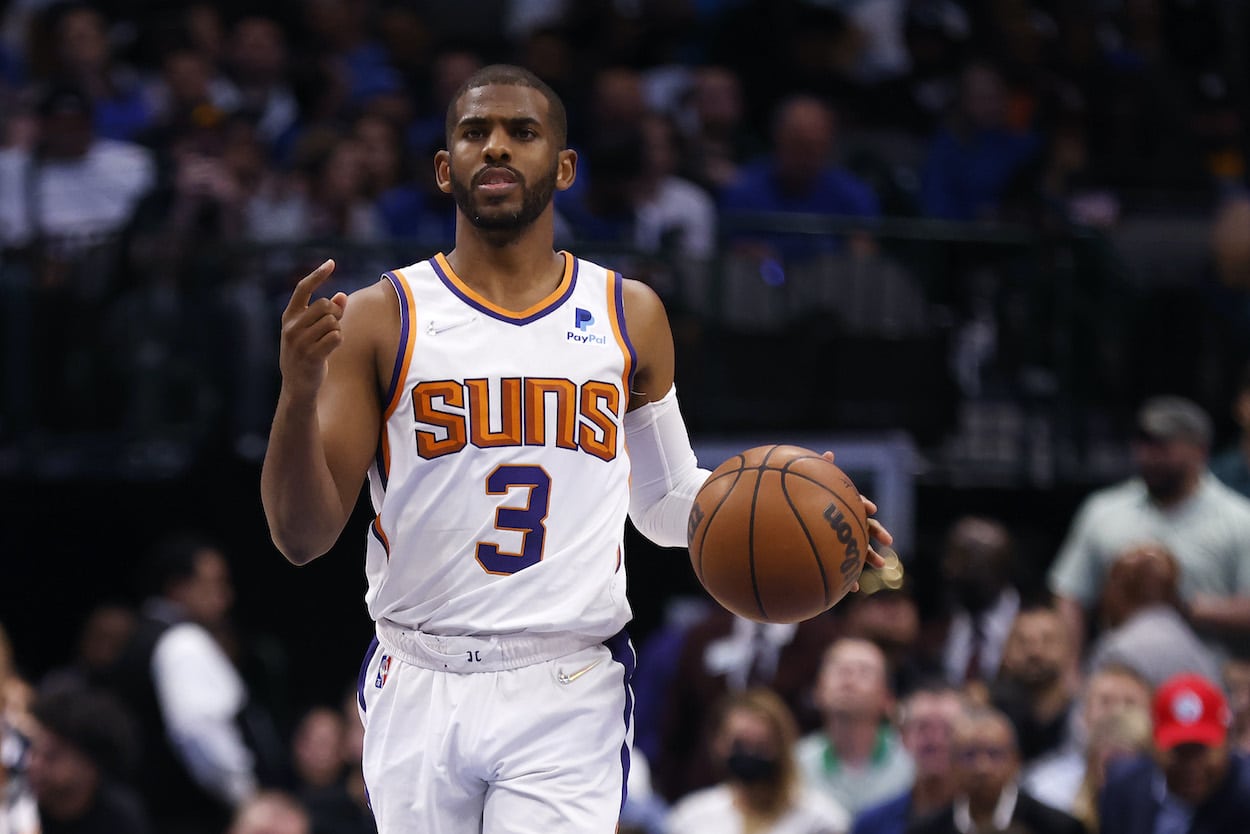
(989, 344)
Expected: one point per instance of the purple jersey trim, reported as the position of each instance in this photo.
(380, 463)
(623, 653)
(619, 292)
(451, 285)
(375, 527)
(364, 668)
(405, 316)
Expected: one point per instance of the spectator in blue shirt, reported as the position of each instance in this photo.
(799, 176)
(926, 724)
(84, 57)
(973, 159)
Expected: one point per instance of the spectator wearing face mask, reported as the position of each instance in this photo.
(761, 793)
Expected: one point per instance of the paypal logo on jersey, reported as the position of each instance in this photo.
(582, 319)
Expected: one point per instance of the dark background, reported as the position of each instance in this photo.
(70, 545)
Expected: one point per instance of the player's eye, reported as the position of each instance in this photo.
(526, 133)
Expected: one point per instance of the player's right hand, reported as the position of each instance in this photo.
(311, 331)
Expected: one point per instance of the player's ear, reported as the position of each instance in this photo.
(442, 171)
(566, 168)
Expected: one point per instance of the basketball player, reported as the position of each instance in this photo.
(489, 394)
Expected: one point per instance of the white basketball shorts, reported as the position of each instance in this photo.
(496, 735)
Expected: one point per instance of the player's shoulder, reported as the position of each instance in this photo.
(374, 312)
(588, 271)
(395, 283)
(380, 294)
(642, 307)
(415, 272)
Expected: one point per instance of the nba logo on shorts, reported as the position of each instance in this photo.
(582, 319)
(384, 669)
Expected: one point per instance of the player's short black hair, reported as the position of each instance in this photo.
(94, 723)
(510, 75)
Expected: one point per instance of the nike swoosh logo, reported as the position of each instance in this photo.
(436, 327)
(566, 678)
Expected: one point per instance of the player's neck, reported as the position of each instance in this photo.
(514, 275)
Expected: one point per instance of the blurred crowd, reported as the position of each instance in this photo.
(168, 169)
(1111, 694)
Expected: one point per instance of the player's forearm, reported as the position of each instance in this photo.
(666, 476)
(302, 502)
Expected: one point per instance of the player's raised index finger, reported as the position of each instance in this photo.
(304, 289)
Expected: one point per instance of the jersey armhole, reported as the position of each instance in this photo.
(399, 371)
(616, 312)
(407, 335)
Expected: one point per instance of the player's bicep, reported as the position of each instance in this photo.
(652, 338)
(349, 407)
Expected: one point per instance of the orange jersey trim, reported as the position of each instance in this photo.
(616, 315)
(403, 359)
(549, 301)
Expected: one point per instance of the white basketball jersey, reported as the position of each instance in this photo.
(501, 483)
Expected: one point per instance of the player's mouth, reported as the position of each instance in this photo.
(497, 180)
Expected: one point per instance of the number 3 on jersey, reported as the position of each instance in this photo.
(527, 520)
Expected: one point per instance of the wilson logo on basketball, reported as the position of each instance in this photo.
(692, 524)
(778, 534)
(842, 529)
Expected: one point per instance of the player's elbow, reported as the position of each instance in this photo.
(665, 519)
(298, 550)
(299, 534)
(659, 527)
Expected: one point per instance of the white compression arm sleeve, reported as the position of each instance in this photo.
(665, 474)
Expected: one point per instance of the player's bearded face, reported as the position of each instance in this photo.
(502, 213)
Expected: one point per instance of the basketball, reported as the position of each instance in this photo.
(778, 534)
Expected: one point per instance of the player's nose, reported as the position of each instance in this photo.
(497, 149)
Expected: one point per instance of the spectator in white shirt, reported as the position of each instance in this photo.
(762, 792)
(72, 187)
(187, 695)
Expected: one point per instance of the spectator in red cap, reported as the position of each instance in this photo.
(1195, 784)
